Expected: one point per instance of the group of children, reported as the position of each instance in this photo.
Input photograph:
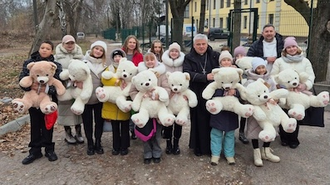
(223, 124)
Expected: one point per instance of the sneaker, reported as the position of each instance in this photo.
(51, 156)
(30, 158)
(230, 160)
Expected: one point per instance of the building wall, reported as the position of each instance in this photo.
(286, 20)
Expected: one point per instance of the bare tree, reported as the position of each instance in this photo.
(319, 46)
(177, 9)
(45, 25)
(236, 24)
(202, 17)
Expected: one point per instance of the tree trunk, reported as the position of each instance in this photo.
(236, 25)
(320, 40)
(202, 17)
(177, 9)
(45, 25)
(301, 6)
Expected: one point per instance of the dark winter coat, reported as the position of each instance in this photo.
(225, 120)
(200, 117)
(256, 50)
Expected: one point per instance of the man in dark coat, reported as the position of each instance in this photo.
(199, 64)
(269, 46)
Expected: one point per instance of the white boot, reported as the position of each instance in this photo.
(215, 160)
(230, 160)
(266, 153)
(257, 157)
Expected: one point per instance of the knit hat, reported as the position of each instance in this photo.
(225, 54)
(257, 61)
(117, 52)
(239, 50)
(100, 43)
(290, 41)
(174, 45)
(68, 38)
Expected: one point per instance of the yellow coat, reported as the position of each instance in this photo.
(110, 110)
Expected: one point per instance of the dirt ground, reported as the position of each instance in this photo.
(308, 164)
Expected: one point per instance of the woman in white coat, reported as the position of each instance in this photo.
(293, 58)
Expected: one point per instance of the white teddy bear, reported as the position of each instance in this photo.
(244, 63)
(181, 97)
(78, 72)
(226, 78)
(266, 111)
(145, 102)
(118, 94)
(297, 102)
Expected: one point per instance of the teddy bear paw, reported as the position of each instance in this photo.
(266, 137)
(76, 111)
(324, 98)
(296, 115)
(18, 107)
(138, 123)
(168, 121)
(211, 106)
(290, 126)
(49, 109)
(181, 121)
(100, 94)
(248, 111)
(126, 107)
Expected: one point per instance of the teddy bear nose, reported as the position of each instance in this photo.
(265, 97)
(125, 76)
(175, 89)
(295, 83)
(41, 81)
(147, 84)
(227, 88)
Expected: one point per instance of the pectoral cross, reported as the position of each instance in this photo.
(204, 72)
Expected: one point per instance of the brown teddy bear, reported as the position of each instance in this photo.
(42, 73)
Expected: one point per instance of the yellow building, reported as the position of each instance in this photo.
(286, 20)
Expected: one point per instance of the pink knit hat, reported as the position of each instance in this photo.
(290, 41)
(239, 50)
(68, 38)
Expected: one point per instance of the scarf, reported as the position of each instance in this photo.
(291, 59)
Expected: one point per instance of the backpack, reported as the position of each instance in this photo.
(148, 131)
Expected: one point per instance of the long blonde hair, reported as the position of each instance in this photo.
(137, 47)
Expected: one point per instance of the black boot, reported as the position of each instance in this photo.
(242, 138)
(176, 149)
(168, 146)
(90, 148)
(68, 136)
(98, 147)
(133, 136)
(79, 138)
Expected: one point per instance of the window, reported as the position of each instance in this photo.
(271, 18)
(186, 12)
(222, 3)
(206, 23)
(245, 22)
(257, 1)
(245, 2)
(195, 6)
(214, 4)
(213, 22)
(221, 23)
(228, 3)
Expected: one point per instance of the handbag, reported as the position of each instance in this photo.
(314, 116)
(147, 132)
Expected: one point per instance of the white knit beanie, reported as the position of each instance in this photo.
(225, 54)
(100, 43)
(174, 45)
(257, 61)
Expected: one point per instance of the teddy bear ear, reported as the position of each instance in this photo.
(30, 65)
(276, 78)
(187, 76)
(54, 66)
(168, 74)
(216, 70)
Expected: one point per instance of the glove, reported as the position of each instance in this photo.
(50, 120)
